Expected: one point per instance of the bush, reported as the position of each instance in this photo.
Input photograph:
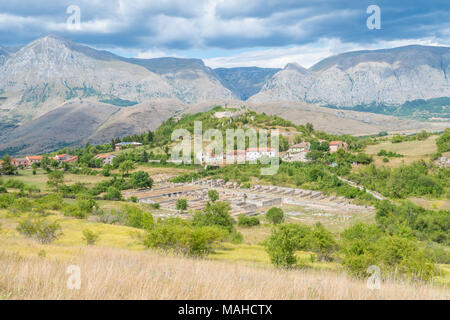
(183, 238)
(21, 205)
(141, 179)
(135, 217)
(282, 244)
(365, 245)
(90, 237)
(43, 230)
(113, 194)
(275, 215)
(246, 221)
(322, 242)
(181, 204)
(213, 195)
(216, 214)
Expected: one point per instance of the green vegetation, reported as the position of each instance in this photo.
(365, 245)
(43, 230)
(119, 102)
(181, 205)
(246, 221)
(275, 215)
(408, 220)
(443, 142)
(390, 154)
(417, 109)
(213, 195)
(7, 167)
(417, 179)
(90, 237)
(140, 180)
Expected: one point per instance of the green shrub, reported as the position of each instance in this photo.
(181, 204)
(365, 245)
(246, 221)
(21, 205)
(322, 242)
(275, 215)
(44, 231)
(281, 246)
(183, 238)
(216, 214)
(141, 179)
(90, 237)
(136, 217)
(113, 193)
(213, 195)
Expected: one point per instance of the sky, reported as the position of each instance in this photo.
(229, 33)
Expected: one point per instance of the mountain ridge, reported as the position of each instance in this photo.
(53, 76)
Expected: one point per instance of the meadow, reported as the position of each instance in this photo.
(122, 274)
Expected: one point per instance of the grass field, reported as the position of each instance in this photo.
(119, 267)
(40, 179)
(123, 274)
(411, 150)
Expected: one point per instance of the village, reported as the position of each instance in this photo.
(296, 152)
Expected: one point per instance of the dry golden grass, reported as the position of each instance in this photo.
(411, 150)
(120, 274)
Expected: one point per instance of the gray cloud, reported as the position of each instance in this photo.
(231, 24)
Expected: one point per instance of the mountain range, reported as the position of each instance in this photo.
(56, 93)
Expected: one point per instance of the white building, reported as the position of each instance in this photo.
(252, 154)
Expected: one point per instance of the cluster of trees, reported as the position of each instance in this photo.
(389, 154)
(417, 179)
(405, 243)
(286, 239)
(196, 237)
(443, 142)
(6, 167)
(409, 220)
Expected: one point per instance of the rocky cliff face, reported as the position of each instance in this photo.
(50, 71)
(390, 77)
(56, 93)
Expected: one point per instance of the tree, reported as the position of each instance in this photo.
(55, 179)
(136, 217)
(106, 170)
(281, 246)
(113, 193)
(309, 128)
(45, 162)
(322, 242)
(213, 195)
(181, 204)
(216, 214)
(141, 179)
(246, 221)
(443, 142)
(275, 215)
(7, 167)
(144, 157)
(126, 166)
